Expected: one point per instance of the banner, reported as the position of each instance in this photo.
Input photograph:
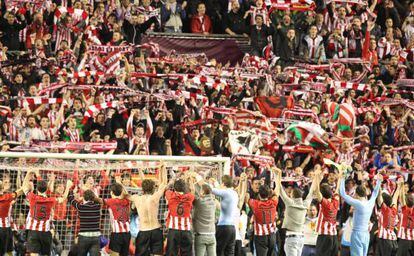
(65, 145)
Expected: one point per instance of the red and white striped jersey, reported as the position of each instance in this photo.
(264, 216)
(119, 214)
(387, 220)
(47, 134)
(74, 135)
(384, 47)
(406, 227)
(40, 214)
(6, 202)
(16, 124)
(341, 24)
(179, 210)
(326, 224)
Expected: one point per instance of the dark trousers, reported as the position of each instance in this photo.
(89, 244)
(405, 247)
(179, 242)
(226, 240)
(239, 250)
(386, 247)
(327, 245)
(265, 245)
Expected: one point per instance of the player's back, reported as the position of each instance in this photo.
(147, 207)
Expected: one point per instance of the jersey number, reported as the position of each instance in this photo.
(39, 212)
(180, 209)
(267, 216)
(123, 214)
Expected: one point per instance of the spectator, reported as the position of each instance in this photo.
(234, 23)
(259, 34)
(201, 23)
(136, 26)
(172, 16)
(10, 27)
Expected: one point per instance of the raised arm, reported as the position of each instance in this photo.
(73, 201)
(309, 197)
(402, 194)
(380, 200)
(377, 188)
(395, 196)
(242, 190)
(400, 183)
(338, 182)
(317, 178)
(278, 175)
(348, 199)
(163, 183)
(162, 177)
(26, 182)
(69, 185)
(286, 199)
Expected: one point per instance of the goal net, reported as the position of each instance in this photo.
(96, 172)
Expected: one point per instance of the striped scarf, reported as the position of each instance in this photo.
(98, 107)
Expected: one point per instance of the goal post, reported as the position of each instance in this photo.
(95, 172)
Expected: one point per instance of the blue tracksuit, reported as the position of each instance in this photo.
(362, 214)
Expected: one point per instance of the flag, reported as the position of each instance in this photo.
(273, 106)
(343, 115)
(243, 142)
(309, 134)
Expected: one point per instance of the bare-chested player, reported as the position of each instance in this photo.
(150, 237)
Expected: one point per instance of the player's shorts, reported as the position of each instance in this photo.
(39, 242)
(119, 242)
(149, 242)
(6, 240)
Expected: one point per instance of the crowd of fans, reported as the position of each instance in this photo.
(324, 80)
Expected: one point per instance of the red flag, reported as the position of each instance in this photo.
(273, 106)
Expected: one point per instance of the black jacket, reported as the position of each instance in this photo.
(133, 32)
(287, 50)
(10, 36)
(236, 23)
(259, 37)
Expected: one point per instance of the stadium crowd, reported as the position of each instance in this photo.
(317, 120)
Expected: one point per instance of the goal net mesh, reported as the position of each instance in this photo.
(94, 174)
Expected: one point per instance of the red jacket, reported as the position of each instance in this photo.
(367, 54)
(197, 26)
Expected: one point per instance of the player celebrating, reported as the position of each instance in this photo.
(6, 236)
(150, 238)
(362, 213)
(119, 207)
(264, 212)
(327, 242)
(38, 223)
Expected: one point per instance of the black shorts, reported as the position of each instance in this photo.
(119, 242)
(6, 240)
(149, 242)
(39, 242)
(386, 247)
(327, 245)
(179, 241)
(405, 247)
(265, 245)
